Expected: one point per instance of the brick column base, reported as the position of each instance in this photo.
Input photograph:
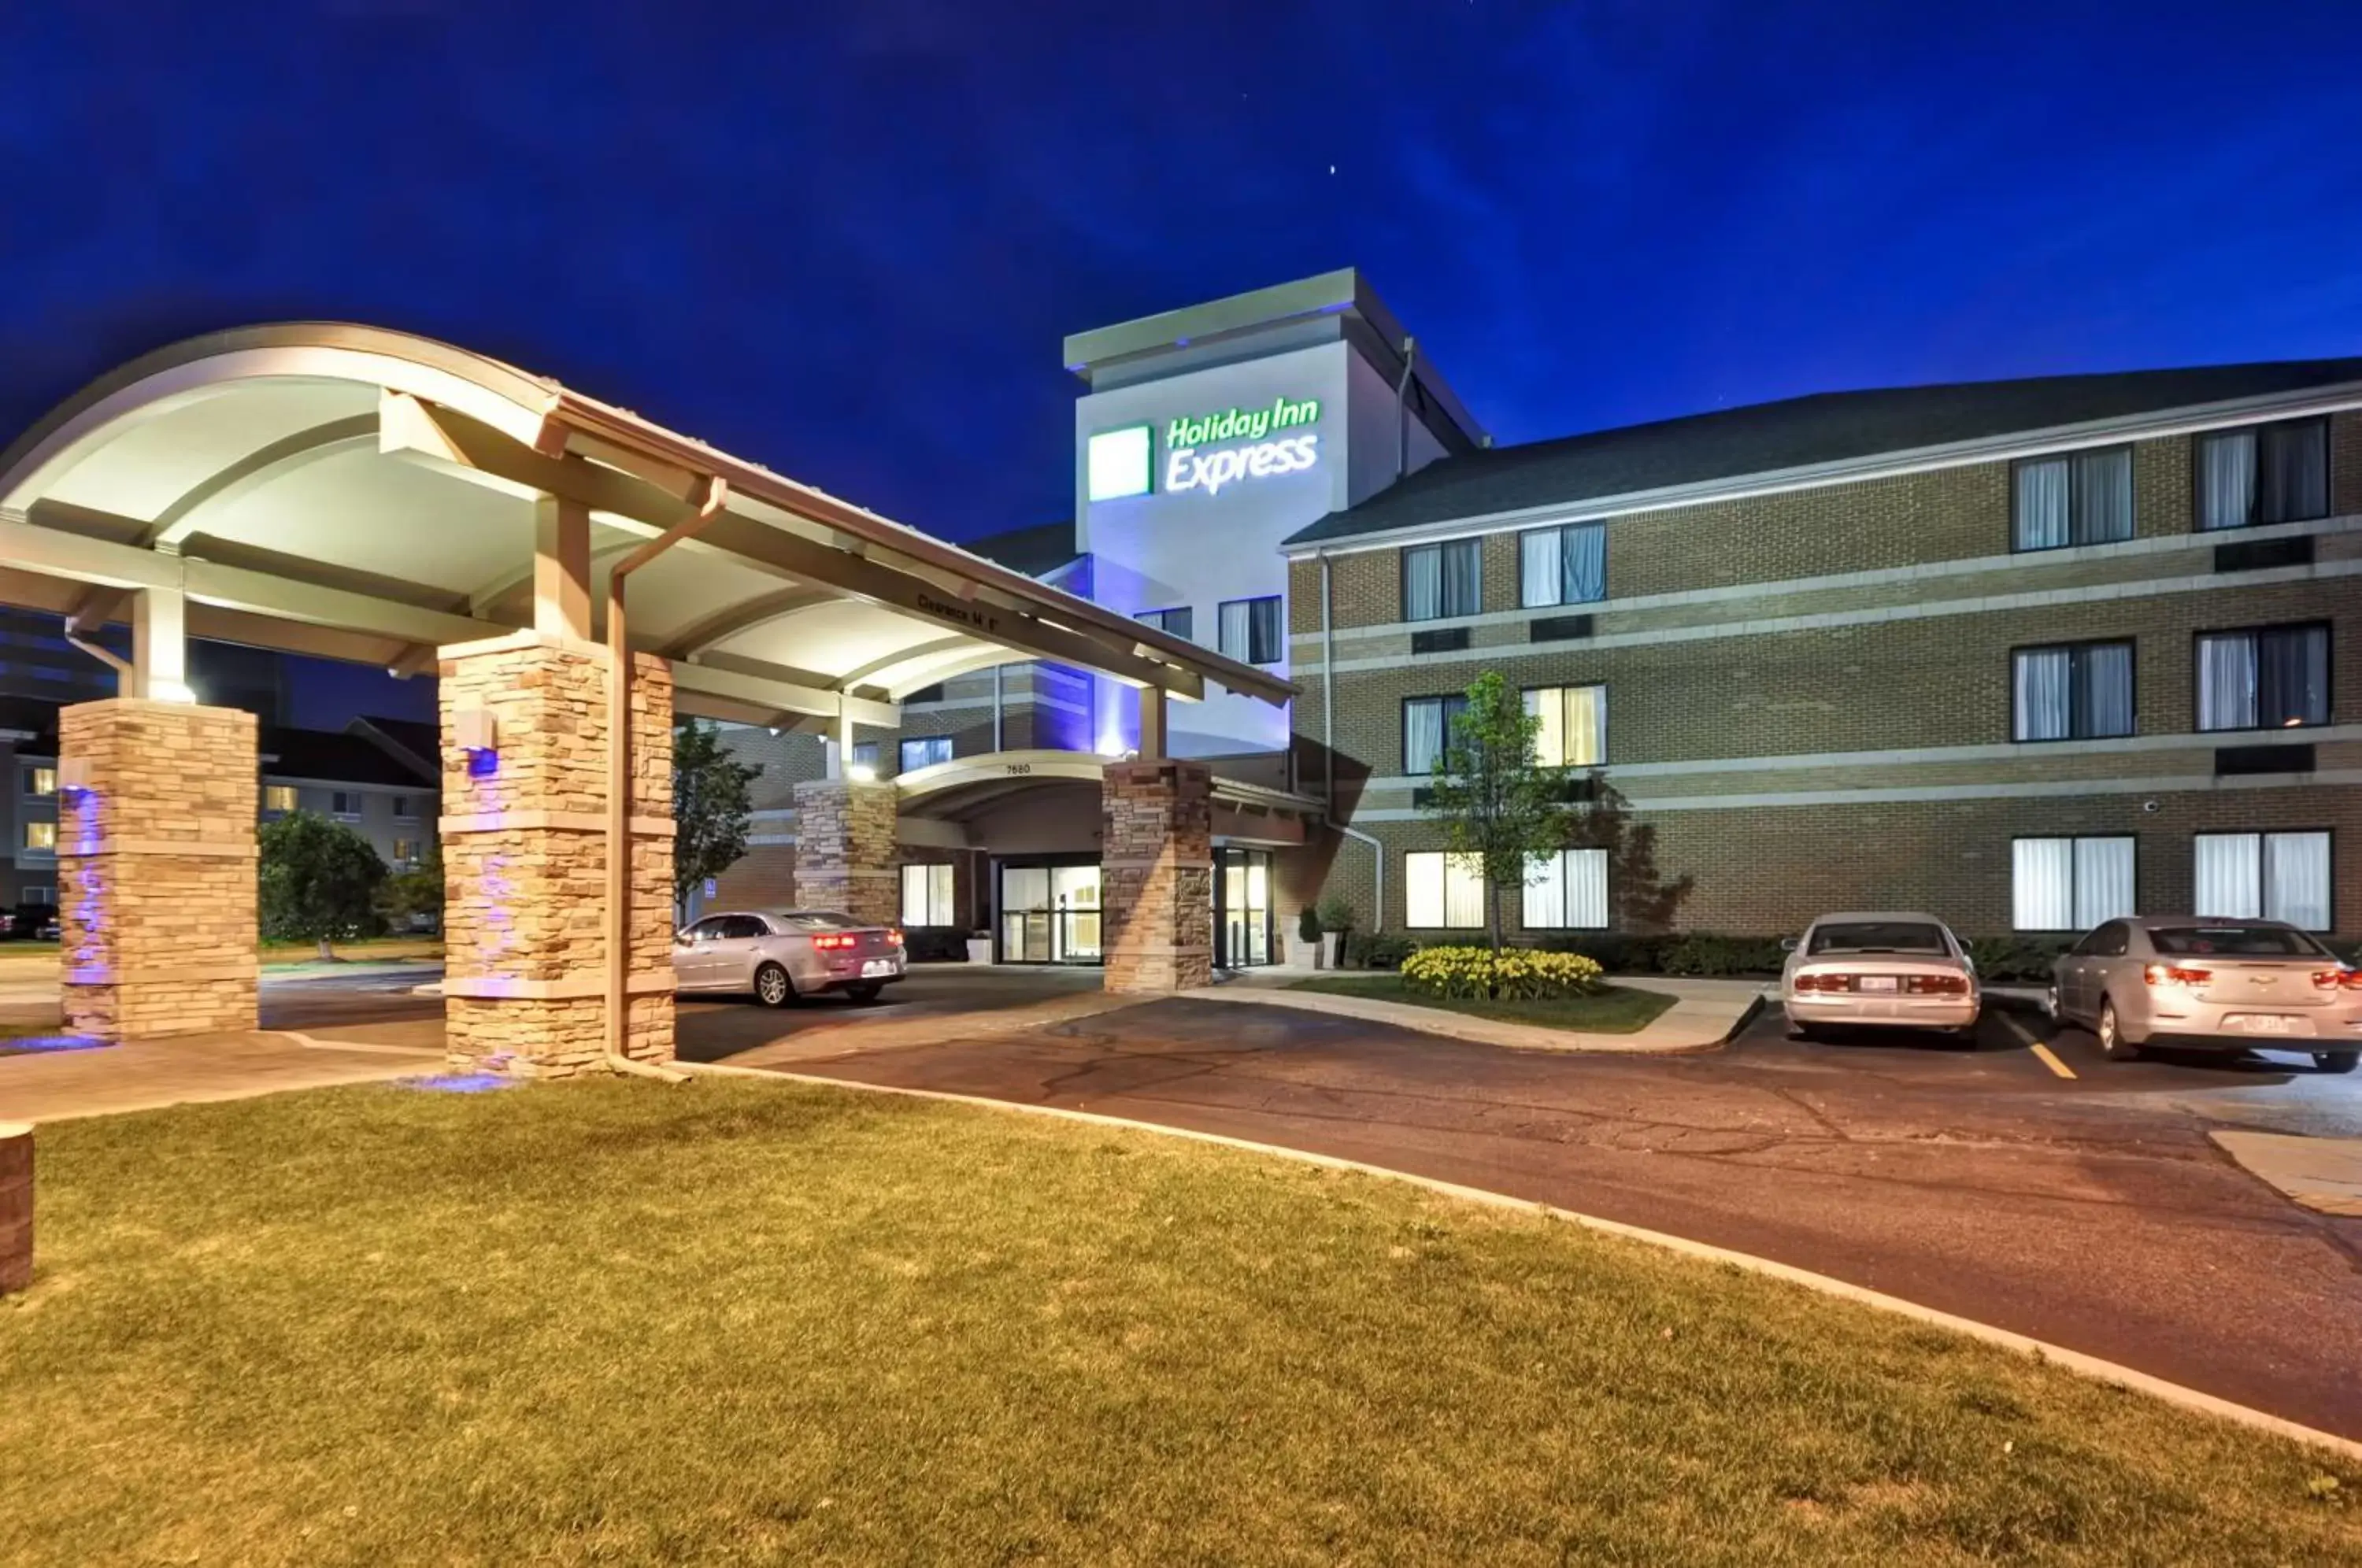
(1156, 876)
(156, 868)
(524, 859)
(846, 854)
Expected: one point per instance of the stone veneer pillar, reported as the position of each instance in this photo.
(846, 854)
(1156, 876)
(525, 858)
(156, 868)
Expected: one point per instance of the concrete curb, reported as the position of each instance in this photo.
(1480, 1030)
(2073, 1361)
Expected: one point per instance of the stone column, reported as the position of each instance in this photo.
(156, 867)
(1156, 876)
(525, 858)
(846, 854)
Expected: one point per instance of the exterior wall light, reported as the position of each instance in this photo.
(861, 773)
(477, 735)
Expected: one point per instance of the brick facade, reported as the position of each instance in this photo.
(524, 859)
(156, 868)
(846, 855)
(1157, 885)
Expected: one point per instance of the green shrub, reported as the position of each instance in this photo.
(1376, 950)
(1336, 912)
(1703, 954)
(1520, 974)
(1617, 952)
(1307, 925)
(2017, 960)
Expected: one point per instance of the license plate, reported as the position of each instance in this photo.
(876, 966)
(1873, 983)
(2261, 1024)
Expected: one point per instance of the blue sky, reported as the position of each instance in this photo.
(849, 244)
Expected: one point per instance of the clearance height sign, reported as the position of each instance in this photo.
(1205, 452)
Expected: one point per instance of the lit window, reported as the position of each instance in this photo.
(2265, 474)
(1442, 581)
(41, 835)
(41, 779)
(279, 797)
(925, 751)
(865, 754)
(1118, 463)
(1562, 566)
(2076, 692)
(1248, 630)
(927, 895)
(1443, 892)
(405, 852)
(1567, 891)
(2082, 498)
(2267, 876)
(1426, 729)
(1574, 726)
(2271, 677)
(2069, 884)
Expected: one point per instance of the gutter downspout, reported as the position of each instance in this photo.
(1402, 414)
(995, 707)
(619, 783)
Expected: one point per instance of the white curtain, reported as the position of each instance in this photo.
(2042, 884)
(2104, 881)
(2292, 471)
(2227, 876)
(1422, 736)
(927, 895)
(1540, 575)
(2296, 879)
(1585, 561)
(1423, 891)
(1422, 586)
(2104, 688)
(2104, 496)
(1464, 891)
(1462, 567)
(1231, 629)
(2226, 479)
(1586, 888)
(2226, 681)
(2042, 504)
(1545, 892)
(1586, 726)
(1549, 741)
(2043, 701)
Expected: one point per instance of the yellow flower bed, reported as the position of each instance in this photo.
(1518, 973)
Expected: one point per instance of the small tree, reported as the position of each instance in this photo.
(1496, 804)
(711, 810)
(319, 880)
(415, 891)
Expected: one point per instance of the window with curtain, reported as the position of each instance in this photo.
(925, 751)
(1181, 621)
(2070, 884)
(1567, 891)
(2079, 498)
(2268, 677)
(2264, 473)
(1248, 630)
(1442, 580)
(927, 896)
(1442, 891)
(865, 754)
(1427, 726)
(1562, 565)
(1573, 731)
(2072, 692)
(2267, 876)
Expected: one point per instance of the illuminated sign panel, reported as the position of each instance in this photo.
(1121, 462)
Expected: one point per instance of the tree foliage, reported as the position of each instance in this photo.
(416, 891)
(319, 880)
(711, 808)
(1498, 806)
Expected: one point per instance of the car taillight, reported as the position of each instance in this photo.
(1940, 984)
(893, 938)
(832, 942)
(2326, 979)
(2174, 974)
(1809, 982)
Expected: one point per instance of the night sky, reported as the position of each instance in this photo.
(849, 246)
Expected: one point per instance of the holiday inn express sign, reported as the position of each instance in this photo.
(1207, 451)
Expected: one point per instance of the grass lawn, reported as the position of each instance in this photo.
(1615, 1009)
(373, 947)
(743, 1323)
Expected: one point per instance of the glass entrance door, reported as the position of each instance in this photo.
(1049, 914)
(1243, 908)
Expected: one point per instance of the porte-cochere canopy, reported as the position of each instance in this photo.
(364, 494)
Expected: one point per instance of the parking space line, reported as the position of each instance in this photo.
(2048, 1057)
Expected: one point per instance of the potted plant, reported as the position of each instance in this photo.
(979, 947)
(1305, 951)
(1336, 918)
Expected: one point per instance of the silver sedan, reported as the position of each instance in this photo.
(2184, 983)
(1891, 971)
(779, 956)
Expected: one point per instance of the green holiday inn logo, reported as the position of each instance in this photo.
(1123, 462)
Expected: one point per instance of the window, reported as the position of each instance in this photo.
(1117, 463)
(2265, 474)
(1574, 725)
(1440, 581)
(865, 754)
(927, 895)
(1248, 630)
(2267, 876)
(1427, 728)
(1442, 891)
(2271, 677)
(2107, 941)
(2069, 884)
(39, 779)
(2082, 498)
(1562, 565)
(37, 893)
(925, 751)
(41, 835)
(925, 694)
(405, 852)
(346, 804)
(405, 807)
(1567, 892)
(2074, 691)
(1181, 621)
(279, 797)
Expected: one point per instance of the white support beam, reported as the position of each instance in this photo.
(784, 697)
(561, 566)
(159, 646)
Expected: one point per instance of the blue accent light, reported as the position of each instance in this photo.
(459, 1083)
(483, 764)
(44, 1044)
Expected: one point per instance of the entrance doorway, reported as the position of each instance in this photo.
(1242, 934)
(1050, 914)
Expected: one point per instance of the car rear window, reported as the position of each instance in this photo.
(824, 919)
(2234, 941)
(1878, 936)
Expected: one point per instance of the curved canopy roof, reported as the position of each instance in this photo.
(367, 494)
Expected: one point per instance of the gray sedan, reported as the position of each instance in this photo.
(2185, 983)
(778, 956)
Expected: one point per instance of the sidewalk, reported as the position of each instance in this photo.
(1704, 1013)
(143, 1075)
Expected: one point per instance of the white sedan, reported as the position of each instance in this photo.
(778, 956)
(1883, 970)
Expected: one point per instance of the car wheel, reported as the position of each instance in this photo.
(2336, 1061)
(2113, 1043)
(773, 988)
(864, 995)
